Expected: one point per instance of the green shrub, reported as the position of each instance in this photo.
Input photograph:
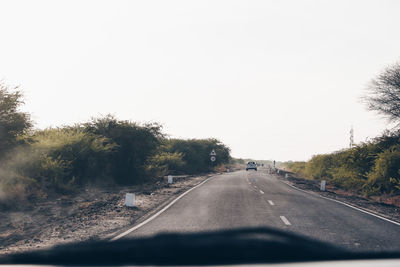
(347, 178)
(102, 151)
(370, 168)
(196, 153)
(296, 167)
(73, 156)
(135, 145)
(13, 122)
(385, 176)
(165, 163)
(319, 167)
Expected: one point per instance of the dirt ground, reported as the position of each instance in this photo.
(94, 214)
(383, 206)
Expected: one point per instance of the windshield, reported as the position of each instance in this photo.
(124, 120)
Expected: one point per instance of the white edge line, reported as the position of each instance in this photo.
(285, 221)
(348, 205)
(271, 203)
(157, 214)
(261, 192)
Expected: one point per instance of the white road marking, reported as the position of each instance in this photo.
(255, 186)
(158, 213)
(261, 192)
(285, 221)
(348, 205)
(270, 202)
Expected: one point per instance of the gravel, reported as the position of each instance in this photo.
(97, 213)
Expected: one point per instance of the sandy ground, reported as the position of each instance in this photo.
(384, 206)
(94, 214)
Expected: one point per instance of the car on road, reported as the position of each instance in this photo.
(251, 165)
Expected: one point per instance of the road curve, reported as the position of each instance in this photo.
(247, 199)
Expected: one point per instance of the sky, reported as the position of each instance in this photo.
(275, 80)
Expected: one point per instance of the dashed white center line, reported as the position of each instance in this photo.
(270, 202)
(261, 192)
(285, 221)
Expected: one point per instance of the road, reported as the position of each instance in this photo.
(247, 199)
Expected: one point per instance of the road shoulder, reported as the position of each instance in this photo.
(387, 211)
(94, 214)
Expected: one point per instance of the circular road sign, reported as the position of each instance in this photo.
(213, 158)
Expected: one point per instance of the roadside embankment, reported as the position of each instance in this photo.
(97, 213)
(390, 211)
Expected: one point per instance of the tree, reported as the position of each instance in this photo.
(135, 144)
(383, 94)
(13, 122)
(196, 153)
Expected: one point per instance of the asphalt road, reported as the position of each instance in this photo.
(247, 199)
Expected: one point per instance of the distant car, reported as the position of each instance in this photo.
(251, 165)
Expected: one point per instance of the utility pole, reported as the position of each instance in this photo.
(351, 137)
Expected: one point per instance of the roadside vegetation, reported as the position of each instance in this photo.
(370, 168)
(37, 163)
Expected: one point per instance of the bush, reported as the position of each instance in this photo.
(347, 178)
(82, 156)
(60, 160)
(23, 174)
(369, 168)
(13, 123)
(318, 167)
(385, 176)
(135, 145)
(166, 163)
(296, 167)
(196, 153)
(102, 151)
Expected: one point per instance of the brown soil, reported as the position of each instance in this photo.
(94, 214)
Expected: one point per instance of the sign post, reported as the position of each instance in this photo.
(213, 157)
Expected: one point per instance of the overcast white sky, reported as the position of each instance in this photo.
(271, 79)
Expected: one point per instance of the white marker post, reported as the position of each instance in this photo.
(286, 175)
(323, 185)
(130, 199)
(170, 179)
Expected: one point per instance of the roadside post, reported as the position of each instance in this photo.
(130, 199)
(323, 185)
(213, 157)
(170, 179)
(286, 175)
